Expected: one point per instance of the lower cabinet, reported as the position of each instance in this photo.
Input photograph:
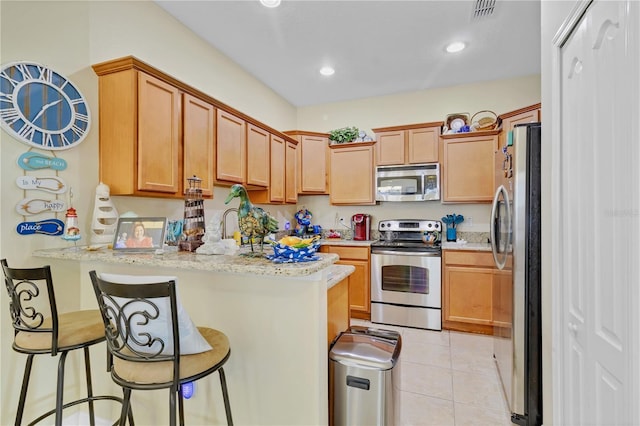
(338, 319)
(474, 293)
(359, 281)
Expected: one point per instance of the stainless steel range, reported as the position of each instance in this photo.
(406, 274)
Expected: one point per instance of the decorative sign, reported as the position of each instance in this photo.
(35, 161)
(31, 206)
(52, 184)
(53, 227)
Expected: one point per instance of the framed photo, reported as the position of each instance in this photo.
(139, 233)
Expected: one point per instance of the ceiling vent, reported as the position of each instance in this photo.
(483, 9)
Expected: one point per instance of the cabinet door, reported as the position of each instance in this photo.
(278, 170)
(468, 295)
(468, 168)
(530, 114)
(391, 148)
(313, 164)
(198, 136)
(158, 161)
(230, 148)
(422, 145)
(359, 289)
(291, 173)
(352, 180)
(258, 159)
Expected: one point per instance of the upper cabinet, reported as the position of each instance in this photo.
(313, 161)
(468, 166)
(352, 173)
(156, 131)
(530, 114)
(283, 174)
(199, 136)
(411, 144)
(140, 145)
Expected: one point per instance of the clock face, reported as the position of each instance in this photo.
(41, 108)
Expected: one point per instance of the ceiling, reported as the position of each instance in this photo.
(376, 47)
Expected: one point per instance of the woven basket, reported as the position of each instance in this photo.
(487, 120)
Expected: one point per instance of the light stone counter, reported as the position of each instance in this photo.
(275, 316)
(200, 262)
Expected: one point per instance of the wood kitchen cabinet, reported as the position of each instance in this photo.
(282, 176)
(352, 173)
(313, 161)
(231, 149)
(359, 281)
(468, 166)
(472, 289)
(412, 144)
(530, 114)
(140, 146)
(338, 318)
(199, 135)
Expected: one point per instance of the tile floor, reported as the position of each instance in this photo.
(448, 379)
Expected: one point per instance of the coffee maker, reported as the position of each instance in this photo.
(361, 225)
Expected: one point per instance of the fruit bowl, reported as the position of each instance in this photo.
(295, 250)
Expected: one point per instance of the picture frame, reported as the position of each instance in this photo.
(139, 234)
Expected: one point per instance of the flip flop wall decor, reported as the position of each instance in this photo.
(53, 227)
(31, 206)
(52, 184)
(35, 161)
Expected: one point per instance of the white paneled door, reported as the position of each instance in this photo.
(597, 222)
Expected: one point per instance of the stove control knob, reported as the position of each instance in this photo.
(382, 225)
(429, 225)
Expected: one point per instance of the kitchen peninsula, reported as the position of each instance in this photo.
(275, 316)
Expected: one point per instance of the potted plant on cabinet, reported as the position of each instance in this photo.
(343, 135)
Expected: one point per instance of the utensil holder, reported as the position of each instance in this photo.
(451, 234)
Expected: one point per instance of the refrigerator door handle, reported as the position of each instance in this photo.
(494, 211)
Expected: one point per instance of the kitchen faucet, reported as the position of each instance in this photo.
(224, 220)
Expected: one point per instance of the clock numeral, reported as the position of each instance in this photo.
(6, 97)
(47, 140)
(77, 101)
(26, 72)
(11, 80)
(77, 130)
(45, 74)
(10, 115)
(82, 117)
(27, 132)
(65, 141)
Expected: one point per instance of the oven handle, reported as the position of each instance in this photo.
(406, 253)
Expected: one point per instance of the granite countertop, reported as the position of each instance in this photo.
(337, 273)
(466, 246)
(201, 262)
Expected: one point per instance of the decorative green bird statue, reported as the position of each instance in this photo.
(253, 221)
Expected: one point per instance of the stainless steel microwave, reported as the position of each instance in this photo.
(416, 182)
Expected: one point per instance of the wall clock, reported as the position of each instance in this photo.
(41, 107)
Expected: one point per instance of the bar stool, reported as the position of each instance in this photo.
(40, 329)
(153, 342)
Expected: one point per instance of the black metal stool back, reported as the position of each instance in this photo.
(40, 329)
(142, 330)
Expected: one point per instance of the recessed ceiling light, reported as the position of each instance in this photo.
(456, 46)
(327, 71)
(270, 3)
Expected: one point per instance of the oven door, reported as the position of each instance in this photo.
(406, 278)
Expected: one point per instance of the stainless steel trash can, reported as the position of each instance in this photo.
(365, 373)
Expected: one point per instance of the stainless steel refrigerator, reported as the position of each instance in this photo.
(515, 241)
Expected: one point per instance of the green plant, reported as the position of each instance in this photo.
(343, 135)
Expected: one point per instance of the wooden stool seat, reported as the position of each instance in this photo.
(75, 329)
(192, 366)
